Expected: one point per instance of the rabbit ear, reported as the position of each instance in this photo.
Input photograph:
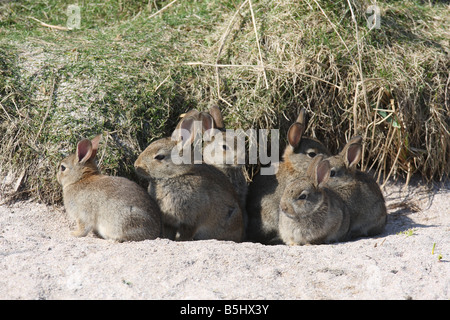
(353, 155)
(207, 124)
(295, 134)
(352, 151)
(84, 150)
(187, 128)
(323, 170)
(191, 113)
(302, 117)
(207, 121)
(217, 116)
(355, 139)
(311, 171)
(95, 142)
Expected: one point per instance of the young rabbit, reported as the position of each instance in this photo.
(200, 126)
(265, 191)
(221, 149)
(224, 153)
(113, 207)
(301, 150)
(197, 200)
(309, 212)
(359, 190)
(206, 119)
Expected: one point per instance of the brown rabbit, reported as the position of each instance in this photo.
(220, 149)
(224, 153)
(266, 190)
(200, 126)
(301, 150)
(197, 200)
(211, 119)
(359, 190)
(113, 207)
(310, 213)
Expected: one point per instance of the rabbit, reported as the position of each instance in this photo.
(197, 200)
(301, 150)
(359, 190)
(211, 119)
(221, 149)
(310, 213)
(223, 152)
(200, 126)
(206, 119)
(112, 207)
(265, 191)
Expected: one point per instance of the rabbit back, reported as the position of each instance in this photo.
(115, 208)
(263, 201)
(197, 200)
(200, 205)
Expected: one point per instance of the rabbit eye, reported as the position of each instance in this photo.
(332, 173)
(159, 157)
(303, 196)
(312, 154)
(63, 168)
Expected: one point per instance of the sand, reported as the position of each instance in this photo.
(39, 259)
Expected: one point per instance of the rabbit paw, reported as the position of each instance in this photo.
(82, 230)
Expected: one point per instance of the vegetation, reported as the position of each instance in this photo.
(407, 233)
(130, 71)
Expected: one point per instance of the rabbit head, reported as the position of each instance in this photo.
(308, 214)
(359, 190)
(80, 164)
(222, 147)
(170, 157)
(159, 160)
(303, 195)
(301, 150)
(343, 165)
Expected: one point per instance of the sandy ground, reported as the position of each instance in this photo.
(40, 260)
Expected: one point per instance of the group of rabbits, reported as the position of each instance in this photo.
(313, 198)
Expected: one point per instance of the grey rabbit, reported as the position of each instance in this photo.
(311, 213)
(113, 207)
(220, 148)
(197, 201)
(224, 153)
(265, 191)
(359, 190)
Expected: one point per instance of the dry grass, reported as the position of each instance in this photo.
(132, 76)
(389, 84)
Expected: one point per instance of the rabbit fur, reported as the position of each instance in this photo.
(113, 207)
